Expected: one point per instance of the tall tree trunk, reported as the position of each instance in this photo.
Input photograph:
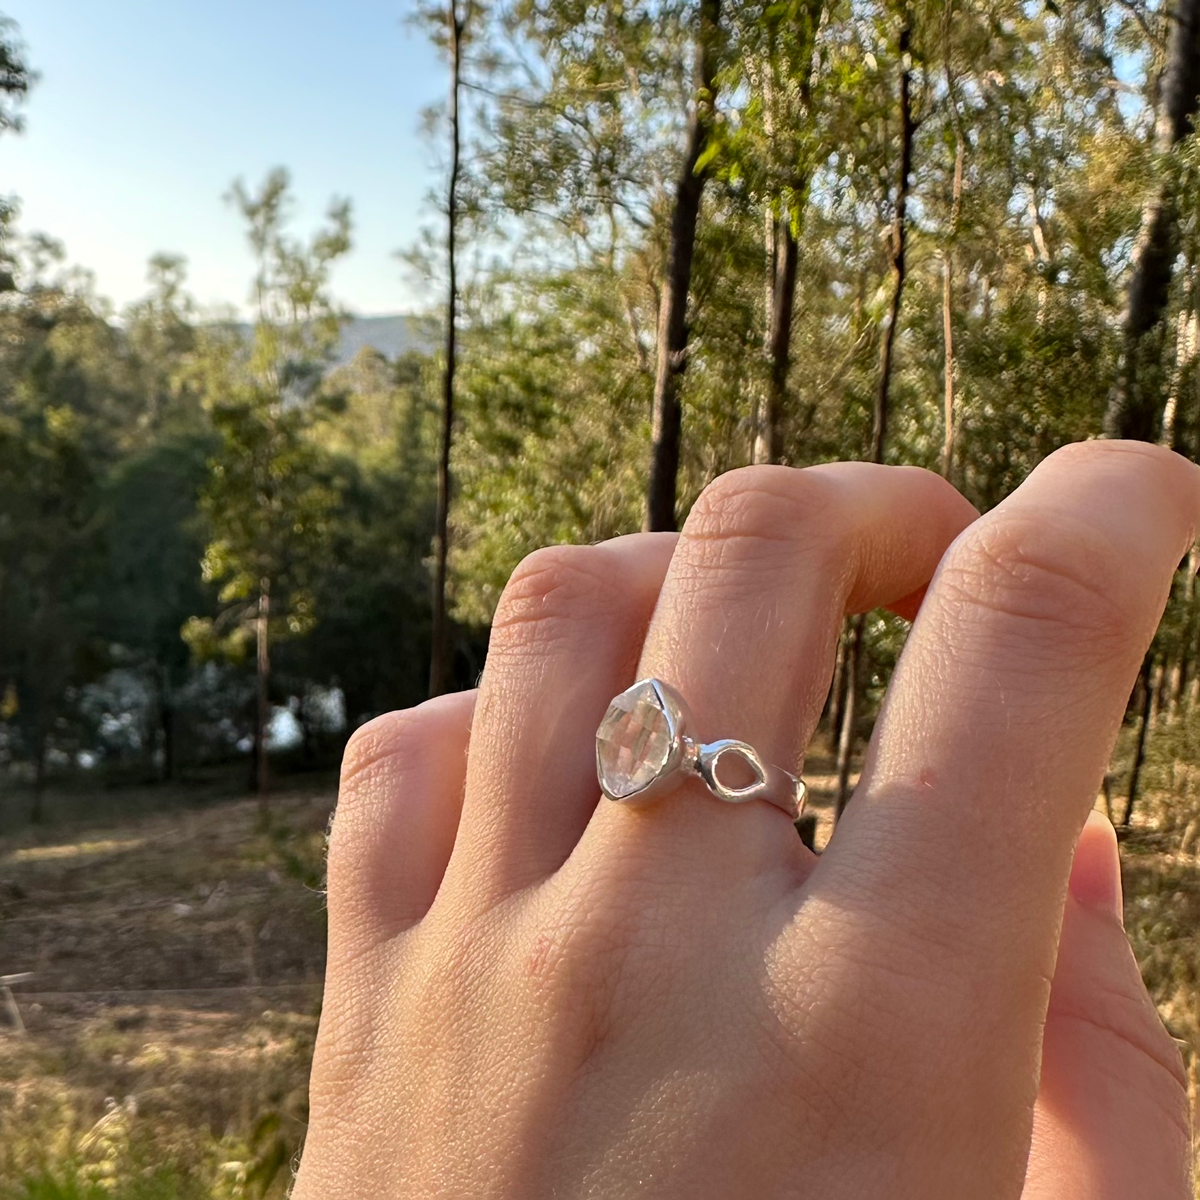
(948, 324)
(1135, 407)
(947, 464)
(1178, 416)
(262, 719)
(948, 264)
(856, 645)
(899, 246)
(768, 441)
(837, 694)
(166, 724)
(672, 316)
(785, 251)
(852, 670)
(439, 654)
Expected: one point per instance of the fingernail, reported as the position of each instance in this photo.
(1096, 871)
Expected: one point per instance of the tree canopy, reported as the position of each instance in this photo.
(690, 236)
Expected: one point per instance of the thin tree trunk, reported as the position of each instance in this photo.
(1179, 417)
(899, 246)
(784, 257)
(768, 444)
(1139, 752)
(1178, 701)
(837, 694)
(855, 650)
(1162, 677)
(1135, 407)
(948, 298)
(672, 319)
(439, 655)
(37, 812)
(1187, 658)
(1175, 684)
(166, 724)
(947, 366)
(852, 670)
(262, 720)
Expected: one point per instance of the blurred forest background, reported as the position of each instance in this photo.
(676, 237)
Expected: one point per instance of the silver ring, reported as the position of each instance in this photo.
(643, 751)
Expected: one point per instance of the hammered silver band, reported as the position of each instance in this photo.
(644, 750)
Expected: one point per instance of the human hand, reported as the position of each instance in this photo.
(530, 994)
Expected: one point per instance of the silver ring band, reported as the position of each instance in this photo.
(643, 751)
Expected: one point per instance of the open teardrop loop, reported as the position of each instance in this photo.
(710, 755)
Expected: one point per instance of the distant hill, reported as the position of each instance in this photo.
(391, 336)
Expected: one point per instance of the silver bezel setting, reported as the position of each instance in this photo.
(671, 773)
(687, 757)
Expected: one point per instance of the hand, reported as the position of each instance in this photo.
(532, 994)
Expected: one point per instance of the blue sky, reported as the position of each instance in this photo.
(148, 109)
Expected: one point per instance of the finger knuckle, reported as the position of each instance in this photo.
(547, 595)
(1051, 578)
(762, 512)
(379, 757)
(1104, 454)
(1154, 479)
(390, 739)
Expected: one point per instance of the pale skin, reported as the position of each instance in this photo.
(534, 993)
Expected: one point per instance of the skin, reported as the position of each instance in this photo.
(532, 993)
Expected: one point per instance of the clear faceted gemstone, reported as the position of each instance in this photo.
(633, 741)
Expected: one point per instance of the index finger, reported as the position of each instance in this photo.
(950, 866)
(1005, 705)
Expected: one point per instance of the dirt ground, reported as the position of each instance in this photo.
(177, 962)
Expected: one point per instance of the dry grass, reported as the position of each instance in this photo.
(178, 964)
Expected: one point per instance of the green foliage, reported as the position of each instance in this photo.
(135, 450)
(371, 591)
(54, 436)
(267, 502)
(64, 1183)
(155, 472)
(16, 78)
(544, 458)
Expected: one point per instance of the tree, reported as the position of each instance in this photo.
(879, 429)
(151, 583)
(666, 424)
(371, 591)
(553, 446)
(774, 149)
(60, 391)
(49, 551)
(162, 336)
(16, 78)
(1135, 407)
(267, 500)
(458, 18)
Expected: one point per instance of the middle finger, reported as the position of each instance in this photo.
(746, 626)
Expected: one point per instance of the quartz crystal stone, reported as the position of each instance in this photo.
(633, 741)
